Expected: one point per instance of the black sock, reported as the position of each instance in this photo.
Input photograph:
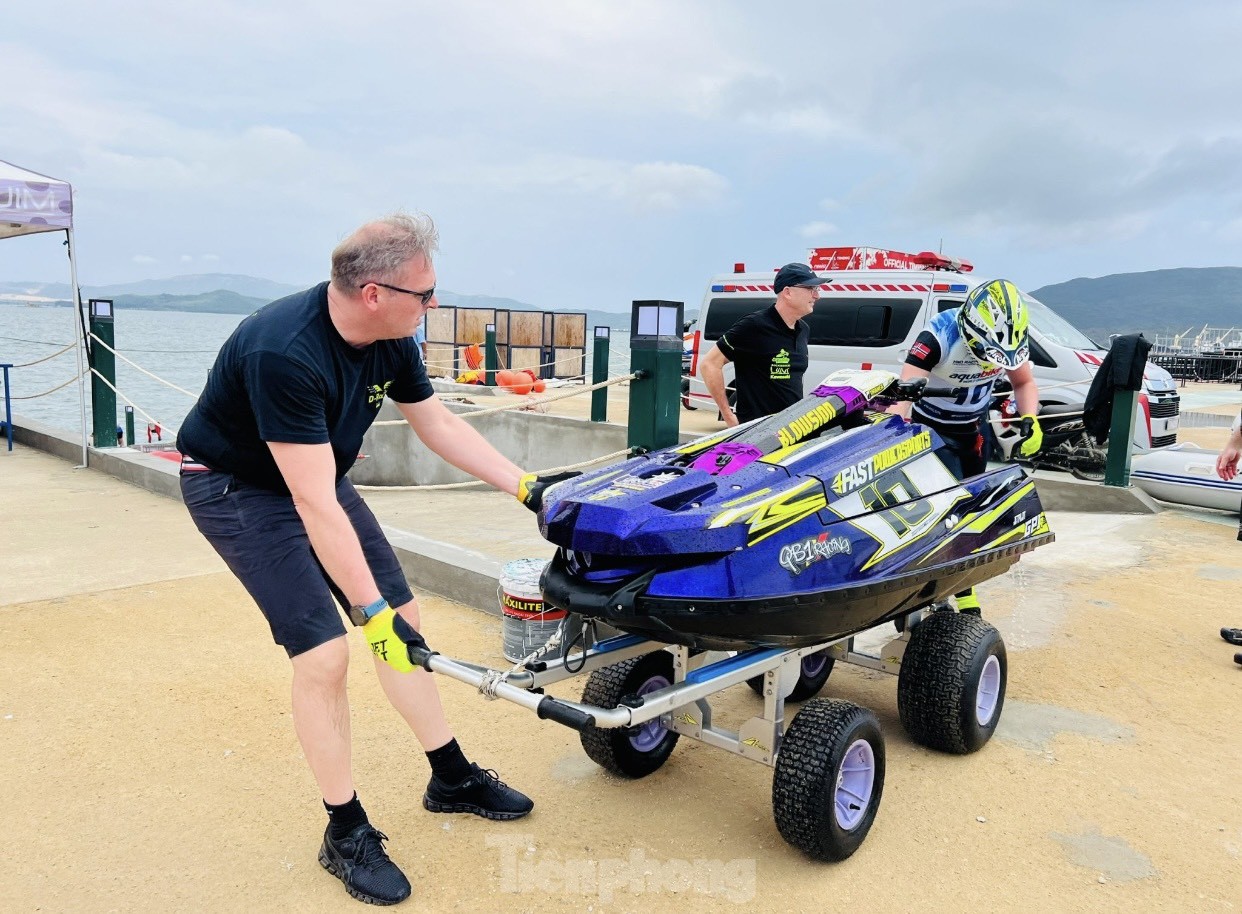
(344, 818)
(448, 763)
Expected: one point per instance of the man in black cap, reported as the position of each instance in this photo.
(768, 350)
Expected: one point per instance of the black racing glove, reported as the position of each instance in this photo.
(531, 488)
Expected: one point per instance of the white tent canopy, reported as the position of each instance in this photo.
(31, 203)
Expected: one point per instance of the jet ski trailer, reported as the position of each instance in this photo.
(649, 686)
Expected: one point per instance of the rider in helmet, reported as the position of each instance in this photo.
(968, 349)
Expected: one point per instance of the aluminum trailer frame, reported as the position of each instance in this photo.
(829, 762)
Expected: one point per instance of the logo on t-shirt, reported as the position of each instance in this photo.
(779, 369)
(376, 393)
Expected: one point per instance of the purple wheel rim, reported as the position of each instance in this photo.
(988, 696)
(813, 664)
(855, 784)
(649, 735)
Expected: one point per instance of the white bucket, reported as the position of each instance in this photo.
(526, 624)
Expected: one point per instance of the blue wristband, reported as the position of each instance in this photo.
(361, 615)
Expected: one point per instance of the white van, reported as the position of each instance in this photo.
(876, 305)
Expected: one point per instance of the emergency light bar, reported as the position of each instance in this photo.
(934, 261)
(823, 260)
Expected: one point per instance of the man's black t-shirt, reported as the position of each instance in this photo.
(286, 375)
(769, 359)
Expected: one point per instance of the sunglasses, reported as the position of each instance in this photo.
(424, 297)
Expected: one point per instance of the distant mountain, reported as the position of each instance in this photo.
(224, 293)
(200, 283)
(1167, 301)
(197, 284)
(218, 302)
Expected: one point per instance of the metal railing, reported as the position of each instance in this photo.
(1220, 368)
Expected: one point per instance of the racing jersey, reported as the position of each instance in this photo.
(941, 350)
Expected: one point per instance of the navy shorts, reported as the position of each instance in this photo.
(261, 538)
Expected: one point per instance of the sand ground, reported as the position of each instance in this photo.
(148, 761)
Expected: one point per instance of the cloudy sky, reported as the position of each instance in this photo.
(584, 154)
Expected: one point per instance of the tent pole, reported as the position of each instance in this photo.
(77, 329)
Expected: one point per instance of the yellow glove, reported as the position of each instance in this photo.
(384, 642)
(531, 488)
(1032, 437)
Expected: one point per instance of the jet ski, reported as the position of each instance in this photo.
(796, 529)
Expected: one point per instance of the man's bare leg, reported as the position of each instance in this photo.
(321, 717)
(415, 695)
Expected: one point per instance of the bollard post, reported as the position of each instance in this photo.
(8, 410)
(599, 374)
(655, 350)
(491, 361)
(129, 426)
(1127, 358)
(1120, 438)
(103, 398)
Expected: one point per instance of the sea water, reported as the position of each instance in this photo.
(177, 347)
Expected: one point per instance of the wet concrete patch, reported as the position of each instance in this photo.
(1036, 603)
(1033, 726)
(1114, 858)
(1220, 573)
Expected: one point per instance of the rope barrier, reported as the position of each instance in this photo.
(1050, 417)
(18, 339)
(46, 392)
(47, 357)
(130, 402)
(155, 377)
(529, 403)
(478, 482)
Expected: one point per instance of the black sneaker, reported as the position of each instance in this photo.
(483, 793)
(1232, 635)
(359, 861)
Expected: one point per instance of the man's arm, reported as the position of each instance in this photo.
(923, 356)
(1227, 461)
(309, 470)
(459, 443)
(1025, 390)
(711, 369)
(903, 407)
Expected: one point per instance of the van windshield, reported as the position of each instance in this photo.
(1054, 328)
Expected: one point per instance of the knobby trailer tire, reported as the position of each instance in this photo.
(829, 778)
(951, 688)
(632, 752)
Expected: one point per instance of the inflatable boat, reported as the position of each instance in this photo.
(1185, 474)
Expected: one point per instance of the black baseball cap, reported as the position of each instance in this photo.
(796, 274)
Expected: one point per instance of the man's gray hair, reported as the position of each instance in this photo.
(379, 249)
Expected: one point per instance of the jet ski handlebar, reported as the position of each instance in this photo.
(915, 389)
